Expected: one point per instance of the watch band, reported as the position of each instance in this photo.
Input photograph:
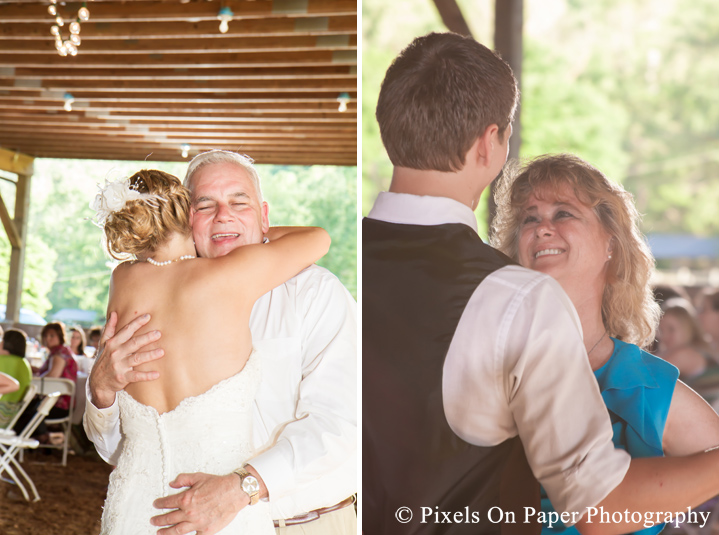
(249, 484)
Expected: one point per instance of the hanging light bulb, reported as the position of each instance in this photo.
(69, 99)
(225, 16)
(75, 39)
(61, 48)
(185, 150)
(52, 9)
(71, 48)
(343, 99)
(74, 27)
(59, 21)
(55, 30)
(83, 14)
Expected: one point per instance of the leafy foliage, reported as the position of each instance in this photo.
(66, 266)
(628, 86)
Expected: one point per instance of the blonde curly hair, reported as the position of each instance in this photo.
(142, 225)
(629, 310)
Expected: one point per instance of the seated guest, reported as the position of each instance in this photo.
(14, 364)
(681, 341)
(93, 337)
(59, 363)
(708, 316)
(77, 347)
(77, 341)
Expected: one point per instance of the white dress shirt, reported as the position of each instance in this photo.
(305, 418)
(517, 366)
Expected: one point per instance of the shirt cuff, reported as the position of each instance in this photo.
(276, 472)
(100, 422)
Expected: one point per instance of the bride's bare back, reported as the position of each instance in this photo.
(205, 332)
(202, 308)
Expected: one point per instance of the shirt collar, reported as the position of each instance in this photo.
(406, 209)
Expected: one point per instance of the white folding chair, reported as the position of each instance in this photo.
(10, 445)
(30, 392)
(47, 385)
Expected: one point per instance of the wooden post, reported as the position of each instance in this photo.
(22, 165)
(508, 22)
(452, 17)
(17, 255)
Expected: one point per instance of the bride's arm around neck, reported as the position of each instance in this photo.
(288, 251)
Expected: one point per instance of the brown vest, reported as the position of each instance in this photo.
(416, 282)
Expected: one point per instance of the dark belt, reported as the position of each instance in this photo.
(313, 515)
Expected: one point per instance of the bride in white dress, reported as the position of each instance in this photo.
(197, 416)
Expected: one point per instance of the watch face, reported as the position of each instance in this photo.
(250, 485)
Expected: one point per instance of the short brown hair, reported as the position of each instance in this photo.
(141, 226)
(629, 310)
(438, 96)
(15, 342)
(56, 326)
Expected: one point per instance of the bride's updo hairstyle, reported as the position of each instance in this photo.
(142, 225)
(629, 310)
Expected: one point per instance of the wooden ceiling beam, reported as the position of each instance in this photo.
(150, 145)
(188, 45)
(311, 84)
(203, 144)
(178, 11)
(228, 72)
(172, 60)
(16, 162)
(149, 122)
(265, 27)
(146, 159)
(148, 108)
(152, 75)
(166, 133)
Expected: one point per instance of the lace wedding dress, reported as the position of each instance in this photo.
(208, 433)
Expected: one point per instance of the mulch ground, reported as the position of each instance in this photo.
(71, 497)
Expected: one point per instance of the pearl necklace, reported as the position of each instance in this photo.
(168, 262)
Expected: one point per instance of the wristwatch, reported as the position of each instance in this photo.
(249, 484)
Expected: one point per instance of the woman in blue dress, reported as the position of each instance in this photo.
(561, 216)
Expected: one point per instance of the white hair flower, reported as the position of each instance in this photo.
(113, 197)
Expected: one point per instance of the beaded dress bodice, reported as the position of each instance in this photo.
(210, 433)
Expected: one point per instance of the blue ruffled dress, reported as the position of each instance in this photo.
(637, 389)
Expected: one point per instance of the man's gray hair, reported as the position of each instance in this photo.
(223, 156)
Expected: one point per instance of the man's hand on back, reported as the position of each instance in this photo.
(117, 356)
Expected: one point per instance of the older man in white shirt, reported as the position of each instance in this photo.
(305, 410)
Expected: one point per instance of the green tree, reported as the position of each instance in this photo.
(67, 267)
(322, 196)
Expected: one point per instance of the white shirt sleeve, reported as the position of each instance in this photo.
(517, 365)
(103, 428)
(323, 434)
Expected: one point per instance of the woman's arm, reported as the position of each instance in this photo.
(8, 384)
(692, 425)
(267, 265)
(57, 365)
(656, 484)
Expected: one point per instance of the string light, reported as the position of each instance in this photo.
(68, 46)
(225, 16)
(69, 99)
(343, 99)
